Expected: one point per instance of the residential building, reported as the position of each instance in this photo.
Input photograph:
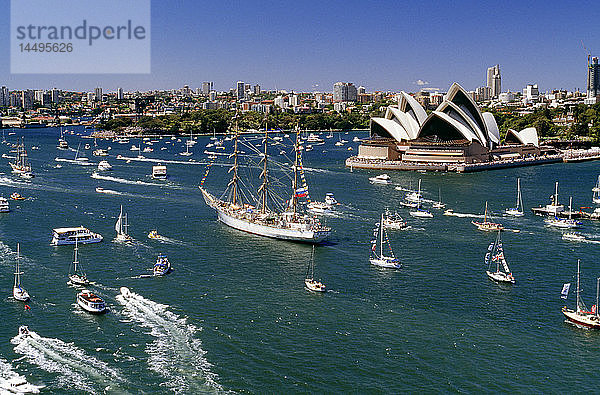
(55, 96)
(240, 90)
(98, 94)
(494, 81)
(593, 81)
(256, 89)
(120, 95)
(207, 86)
(344, 91)
(531, 93)
(4, 97)
(27, 99)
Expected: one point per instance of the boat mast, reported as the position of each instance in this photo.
(75, 262)
(234, 180)
(295, 183)
(17, 272)
(597, 289)
(381, 230)
(578, 286)
(518, 193)
(556, 194)
(485, 213)
(264, 175)
(570, 202)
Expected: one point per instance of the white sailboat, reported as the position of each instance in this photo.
(19, 293)
(518, 210)
(378, 258)
(580, 316)
(596, 190)
(309, 281)
(563, 223)
(121, 227)
(495, 254)
(187, 151)
(78, 277)
(439, 204)
(415, 196)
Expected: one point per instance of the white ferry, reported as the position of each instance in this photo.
(90, 302)
(67, 236)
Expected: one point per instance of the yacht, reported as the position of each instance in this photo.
(91, 302)
(68, 236)
(19, 293)
(103, 165)
(162, 266)
(4, 207)
(159, 172)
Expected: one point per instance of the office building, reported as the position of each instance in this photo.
(593, 78)
(27, 99)
(98, 94)
(494, 81)
(240, 92)
(531, 93)
(4, 97)
(207, 86)
(344, 91)
(256, 89)
(120, 95)
(212, 95)
(55, 96)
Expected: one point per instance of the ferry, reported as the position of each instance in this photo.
(68, 236)
(90, 302)
(159, 172)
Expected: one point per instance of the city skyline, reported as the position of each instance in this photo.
(385, 46)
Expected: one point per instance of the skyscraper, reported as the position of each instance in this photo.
(494, 81)
(55, 96)
(207, 86)
(344, 91)
(98, 94)
(27, 98)
(4, 97)
(593, 78)
(120, 95)
(240, 90)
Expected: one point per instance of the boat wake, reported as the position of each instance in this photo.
(9, 182)
(75, 162)
(168, 240)
(175, 354)
(124, 181)
(168, 161)
(75, 368)
(7, 375)
(108, 191)
(463, 215)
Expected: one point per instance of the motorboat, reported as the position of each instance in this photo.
(91, 302)
(330, 199)
(16, 196)
(380, 179)
(318, 207)
(573, 236)
(4, 206)
(69, 236)
(554, 208)
(18, 385)
(393, 220)
(103, 165)
(162, 266)
(153, 234)
(421, 213)
(159, 172)
(19, 293)
(134, 148)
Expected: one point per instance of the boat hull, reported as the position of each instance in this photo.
(500, 277)
(20, 294)
(587, 320)
(386, 263)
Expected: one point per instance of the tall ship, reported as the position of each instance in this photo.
(21, 165)
(259, 217)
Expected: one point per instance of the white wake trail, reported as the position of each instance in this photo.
(124, 181)
(75, 368)
(175, 354)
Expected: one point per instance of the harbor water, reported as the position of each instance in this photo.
(233, 316)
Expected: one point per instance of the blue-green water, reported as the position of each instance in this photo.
(234, 316)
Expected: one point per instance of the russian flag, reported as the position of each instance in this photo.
(301, 192)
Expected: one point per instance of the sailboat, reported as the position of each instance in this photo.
(262, 220)
(439, 203)
(62, 143)
(78, 277)
(518, 210)
(596, 190)
(415, 196)
(309, 281)
(486, 225)
(378, 258)
(19, 292)
(495, 255)
(564, 223)
(21, 165)
(580, 316)
(187, 151)
(121, 227)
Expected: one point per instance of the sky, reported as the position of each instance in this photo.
(382, 45)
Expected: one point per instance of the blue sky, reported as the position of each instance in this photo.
(383, 45)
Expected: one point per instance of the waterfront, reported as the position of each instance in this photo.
(438, 324)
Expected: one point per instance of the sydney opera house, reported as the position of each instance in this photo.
(455, 133)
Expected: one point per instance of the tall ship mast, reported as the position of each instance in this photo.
(21, 165)
(257, 217)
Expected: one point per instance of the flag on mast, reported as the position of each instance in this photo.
(565, 290)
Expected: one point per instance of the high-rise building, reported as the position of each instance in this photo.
(494, 81)
(38, 96)
(344, 91)
(90, 97)
(362, 90)
(212, 95)
(54, 96)
(120, 95)
(593, 78)
(256, 89)
(240, 92)
(4, 97)
(27, 99)
(531, 92)
(207, 86)
(293, 101)
(98, 94)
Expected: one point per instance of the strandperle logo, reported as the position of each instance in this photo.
(80, 36)
(84, 31)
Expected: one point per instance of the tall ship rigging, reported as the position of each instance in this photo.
(259, 217)
(21, 165)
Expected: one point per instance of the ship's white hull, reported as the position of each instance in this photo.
(307, 236)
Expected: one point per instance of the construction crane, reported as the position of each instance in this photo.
(586, 50)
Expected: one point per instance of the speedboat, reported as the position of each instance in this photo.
(572, 236)
(16, 196)
(104, 165)
(159, 172)
(380, 179)
(319, 207)
(91, 302)
(154, 235)
(162, 266)
(330, 199)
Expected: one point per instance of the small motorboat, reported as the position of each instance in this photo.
(162, 266)
(573, 236)
(91, 302)
(330, 199)
(103, 165)
(318, 207)
(380, 179)
(154, 235)
(16, 196)
(393, 221)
